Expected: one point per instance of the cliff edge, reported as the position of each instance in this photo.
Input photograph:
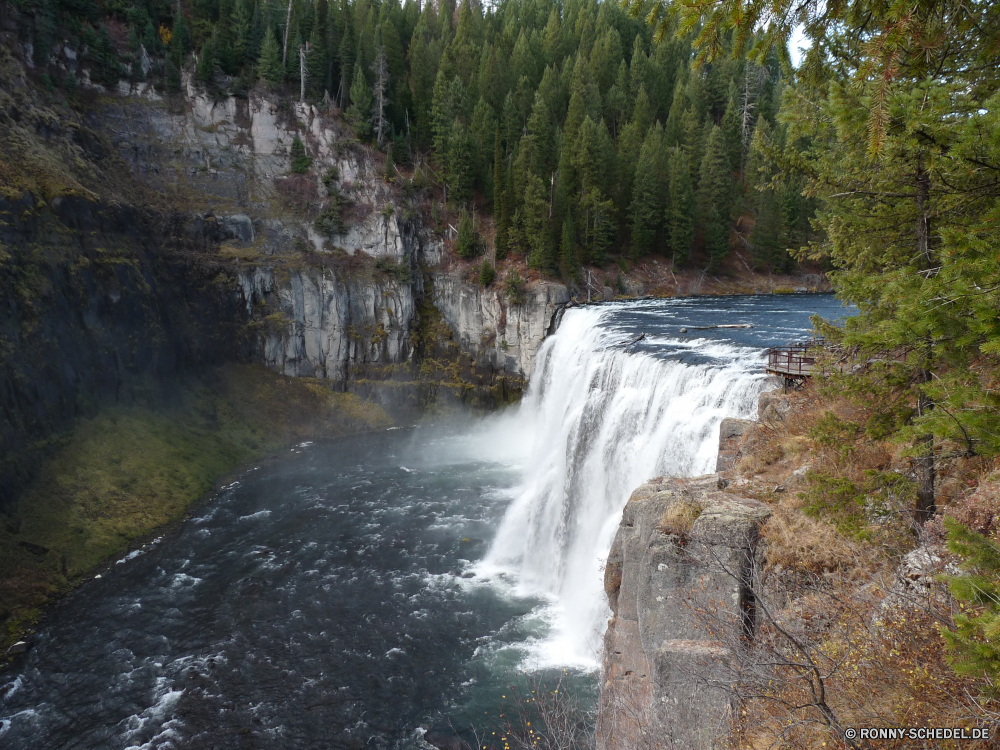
(680, 579)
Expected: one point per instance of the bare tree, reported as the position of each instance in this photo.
(827, 654)
(303, 51)
(542, 716)
(380, 67)
(288, 25)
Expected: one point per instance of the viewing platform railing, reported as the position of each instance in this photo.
(802, 360)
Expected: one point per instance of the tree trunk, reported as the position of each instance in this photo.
(924, 464)
(302, 72)
(925, 461)
(288, 24)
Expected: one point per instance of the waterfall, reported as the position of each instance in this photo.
(601, 421)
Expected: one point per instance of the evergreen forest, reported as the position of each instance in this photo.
(585, 133)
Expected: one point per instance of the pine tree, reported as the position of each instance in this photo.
(423, 55)
(181, 39)
(974, 643)
(442, 114)
(205, 71)
(539, 144)
(461, 163)
(242, 27)
(106, 59)
(389, 172)
(316, 64)
(536, 229)
(292, 65)
(380, 100)
(680, 215)
(486, 274)
(359, 113)
(646, 212)
(269, 66)
(714, 191)
(732, 134)
(172, 77)
(300, 162)
(225, 39)
(500, 216)
(567, 248)
(467, 242)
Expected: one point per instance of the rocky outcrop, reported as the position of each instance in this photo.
(491, 328)
(326, 323)
(731, 433)
(773, 406)
(229, 162)
(680, 579)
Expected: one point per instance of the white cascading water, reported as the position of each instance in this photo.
(602, 421)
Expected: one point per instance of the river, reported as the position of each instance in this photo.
(357, 593)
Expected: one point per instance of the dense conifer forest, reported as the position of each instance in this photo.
(584, 132)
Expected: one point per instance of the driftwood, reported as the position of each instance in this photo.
(638, 338)
(709, 328)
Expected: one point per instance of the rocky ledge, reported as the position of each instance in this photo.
(680, 579)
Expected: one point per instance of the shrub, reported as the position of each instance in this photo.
(330, 178)
(679, 518)
(974, 644)
(486, 274)
(514, 288)
(399, 272)
(467, 244)
(330, 222)
(300, 162)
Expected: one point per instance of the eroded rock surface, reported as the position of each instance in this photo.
(488, 326)
(680, 579)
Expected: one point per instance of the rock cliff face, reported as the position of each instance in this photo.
(96, 307)
(321, 314)
(506, 335)
(327, 326)
(680, 580)
(142, 237)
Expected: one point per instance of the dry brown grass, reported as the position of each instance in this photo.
(680, 517)
(878, 666)
(831, 581)
(805, 545)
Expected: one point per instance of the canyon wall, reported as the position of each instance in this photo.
(337, 300)
(680, 579)
(143, 238)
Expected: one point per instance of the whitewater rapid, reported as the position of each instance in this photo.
(598, 420)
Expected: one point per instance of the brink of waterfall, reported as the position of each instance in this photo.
(600, 418)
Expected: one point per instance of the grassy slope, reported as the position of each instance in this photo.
(132, 468)
(839, 532)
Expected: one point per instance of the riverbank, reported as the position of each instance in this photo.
(129, 469)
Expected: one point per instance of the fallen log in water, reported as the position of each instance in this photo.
(722, 325)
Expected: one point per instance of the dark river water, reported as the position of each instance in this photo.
(334, 596)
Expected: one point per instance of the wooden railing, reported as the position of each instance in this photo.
(800, 361)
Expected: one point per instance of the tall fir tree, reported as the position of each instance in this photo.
(461, 162)
(359, 113)
(714, 190)
(680, 214)
(646, 212)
